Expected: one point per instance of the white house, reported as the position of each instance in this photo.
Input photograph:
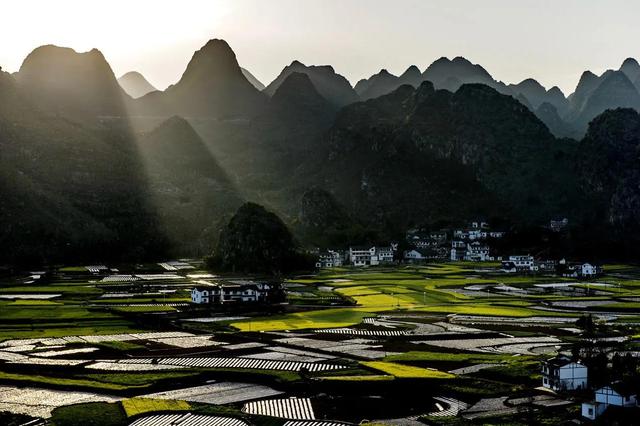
(562, 374)
(370, 255)
(414, 255)
(230, 293)
(458, 250)
(477, 252)
(522, 263)
(589, 270)
(618, 394)
(329, 259)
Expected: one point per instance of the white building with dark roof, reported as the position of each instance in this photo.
(563, 374)
(618, 394)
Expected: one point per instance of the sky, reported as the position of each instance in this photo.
(553, 41)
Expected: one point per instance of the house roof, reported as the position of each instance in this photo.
(361, 247)
(560, 361)
(624, 388)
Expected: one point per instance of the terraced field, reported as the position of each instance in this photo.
(129, 342)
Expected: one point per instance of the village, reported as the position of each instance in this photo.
(474, 243)
(443, 339)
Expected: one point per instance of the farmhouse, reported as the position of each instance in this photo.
(589, 270)
(522, 263)
(562, 374)
(617, 394)
(458, 250)
(370, 255)
(232, 292)
(329, 259)
(477, 252)
(421, 254)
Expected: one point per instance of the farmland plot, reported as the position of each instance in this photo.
(352, 347)
(290, 408)
(243, 363)
(187, 420)
(287, 354)
(355, 332)
(516, 345)
(217, 393)
(41, 402)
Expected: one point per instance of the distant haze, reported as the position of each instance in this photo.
(549, 40)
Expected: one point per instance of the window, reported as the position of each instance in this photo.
(590, 411)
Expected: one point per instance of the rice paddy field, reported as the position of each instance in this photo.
(125, 342)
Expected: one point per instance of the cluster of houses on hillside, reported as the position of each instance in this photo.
(476, 242)
(562, 374)
(238, 291)
(471, 243)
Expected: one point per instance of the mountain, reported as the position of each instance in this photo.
(378, 85)
(255, 240)
(536, 95)
(297, 100)
(252, 79)
(451, 74)
(189, 190)
(586, 85)
(135, 85)
(332, 86)
(70, 190)
(385, 82)
(548, 114)
(614, 91)
(556, 97)
(610, 172)
(631, 69)
(412, 76)
(416, 156)
(79, 86)
(213, 85)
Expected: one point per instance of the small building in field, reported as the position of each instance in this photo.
(370, 255)
(618, 394)
(329, 259)
(563, 374)
(421, 254)
(477, 252)
(221, 293)
(588, 270)
(522, 262)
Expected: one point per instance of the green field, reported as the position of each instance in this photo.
(428, 289)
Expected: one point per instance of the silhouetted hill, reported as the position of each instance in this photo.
(378, 85)
(412, 76)
(76, 85)
(332, 86)
(548, 114)
(610, 173)
(189, 190)
(252, 79)
(70, 191)
(615, 90)
(255, 240)
(135, 85)
(425, 155)
(631, 69)
(536, 95)
(586, 85)
(451, 74)
(213, 85)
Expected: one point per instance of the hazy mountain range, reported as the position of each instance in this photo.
(95, 167)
